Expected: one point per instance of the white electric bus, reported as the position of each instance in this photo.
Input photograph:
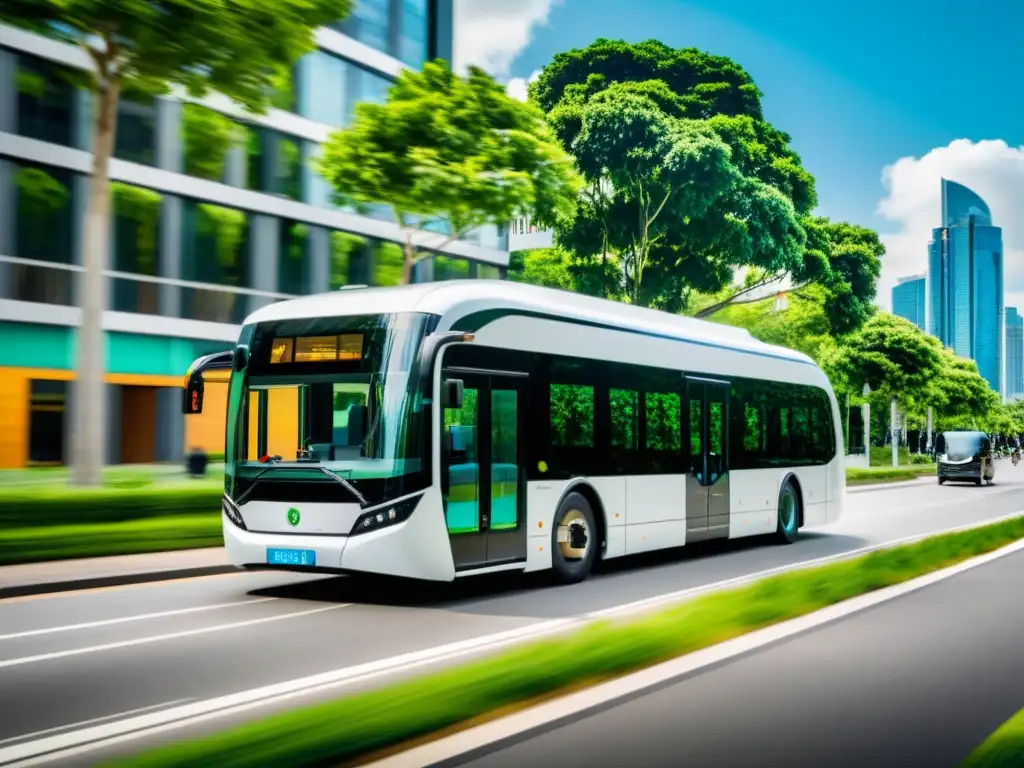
(447, 429)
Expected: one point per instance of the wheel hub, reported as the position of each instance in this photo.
(573, 536)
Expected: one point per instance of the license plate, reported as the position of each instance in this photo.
(302, 557)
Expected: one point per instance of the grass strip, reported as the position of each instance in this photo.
(64, 542)
(1003, 749)
(877, 475)
(356, 726)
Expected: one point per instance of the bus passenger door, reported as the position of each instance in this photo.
(717, 415)
(482, 472)
(707, 481)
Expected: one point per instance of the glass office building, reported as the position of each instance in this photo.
(965, 274)
(908, 299)
(1014, 385)
(215, 213)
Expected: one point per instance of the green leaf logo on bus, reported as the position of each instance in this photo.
(293, 517)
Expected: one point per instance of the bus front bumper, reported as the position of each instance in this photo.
(417, 548)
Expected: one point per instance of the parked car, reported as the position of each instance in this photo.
(965, 456)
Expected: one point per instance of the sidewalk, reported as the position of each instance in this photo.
(924, 480)
(93, 572)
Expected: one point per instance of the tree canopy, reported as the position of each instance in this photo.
(889, 354)
(685, 181)
(958, 394)
(453, 153)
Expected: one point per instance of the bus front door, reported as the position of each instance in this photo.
(707, 481)
(483, 479)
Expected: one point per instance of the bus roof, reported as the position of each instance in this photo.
(458, 298)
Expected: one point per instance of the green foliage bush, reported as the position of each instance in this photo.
(26, 507)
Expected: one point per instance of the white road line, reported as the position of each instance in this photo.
(65, 745)
(140, 617)
(105, 718)
(161, 638)
(558, 709)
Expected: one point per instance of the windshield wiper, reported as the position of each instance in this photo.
(337, 478)
(347, 485)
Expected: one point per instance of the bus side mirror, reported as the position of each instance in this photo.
(194, 395)
(241, 358)
(451, 393)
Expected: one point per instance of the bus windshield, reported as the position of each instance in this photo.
(336, 397)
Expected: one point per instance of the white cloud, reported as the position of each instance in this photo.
(992, 169)
(491, 33)
(516, 87)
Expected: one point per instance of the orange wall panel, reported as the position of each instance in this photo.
(14, 415)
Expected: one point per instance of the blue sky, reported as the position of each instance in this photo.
(857, 85)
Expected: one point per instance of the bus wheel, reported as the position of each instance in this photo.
(789, 513)
(574, 540)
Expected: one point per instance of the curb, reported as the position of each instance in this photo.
(120, 580)
(861, 488)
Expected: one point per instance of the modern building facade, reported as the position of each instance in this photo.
(909, 297)
(215, 214)
(965, 273)
(1014, 383)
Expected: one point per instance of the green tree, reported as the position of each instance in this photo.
(685, 181)
(891, 355)
(803, 325)
(239, 49)
(455, 153)
(959, 394)
(843, 260)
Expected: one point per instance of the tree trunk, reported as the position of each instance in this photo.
(408, 255)
(89, 444)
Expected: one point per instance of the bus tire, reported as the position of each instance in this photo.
(571, 555)
(789, 514)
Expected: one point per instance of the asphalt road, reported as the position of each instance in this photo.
(73, 660)
(920, 680)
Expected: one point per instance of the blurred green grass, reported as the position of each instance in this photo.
(353, 727)
(857, 476)
(147, 508)
(1003, 749)
(126, 537)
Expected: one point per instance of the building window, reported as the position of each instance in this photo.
(415, 32)
(136, 129)
(215, 250)
(364, 85)
(47, 408)
(451, 268)
(321, 92)
(136, 214)
(275, 163)
(360, 260)
(293, 260)
(369, 23)
(46, 101)
(207, 139)
(330, 87)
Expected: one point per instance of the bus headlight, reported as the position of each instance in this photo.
(385, 516)
(234, 514)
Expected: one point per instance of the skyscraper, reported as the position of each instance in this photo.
(1014, 384)
(965, 273)
(908, 299)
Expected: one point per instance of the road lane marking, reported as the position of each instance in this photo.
(162, 638)
(92, 721)
(70, 744)
(139, 617)
(558, 710)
